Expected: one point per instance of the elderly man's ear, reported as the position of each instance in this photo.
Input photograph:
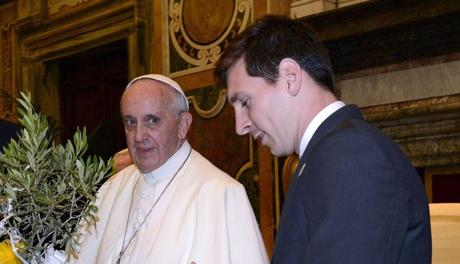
(185, 120)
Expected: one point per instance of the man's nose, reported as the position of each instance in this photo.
(140, 132)
(242, 123)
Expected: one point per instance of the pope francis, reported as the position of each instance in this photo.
(172, 205)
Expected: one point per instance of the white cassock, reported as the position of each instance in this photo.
(202, 215)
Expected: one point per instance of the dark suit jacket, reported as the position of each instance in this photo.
(357, 200)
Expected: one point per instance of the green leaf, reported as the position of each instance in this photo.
(50, 186)
(10, 191)
(61, 187)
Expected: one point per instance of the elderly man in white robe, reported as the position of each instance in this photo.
(172, 205)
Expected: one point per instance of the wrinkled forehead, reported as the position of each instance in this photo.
(147, 93)
(171, 84)
(149, 88)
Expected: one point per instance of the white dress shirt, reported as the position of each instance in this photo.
(316, 122)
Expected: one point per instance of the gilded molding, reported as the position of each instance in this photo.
(7, 92)
(395, 111)
(48, 39)
(215, 110)
(428, 130)
(445, 218)
(55, 38)
(198, 54)
(250, 163)
(55, 6)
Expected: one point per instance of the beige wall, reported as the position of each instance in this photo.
(402, 85)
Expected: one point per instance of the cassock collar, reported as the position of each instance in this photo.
(170, 167)
(316, 122)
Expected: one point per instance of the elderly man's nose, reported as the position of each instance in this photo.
(139, 133)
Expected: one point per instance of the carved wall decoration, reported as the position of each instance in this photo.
(213, 111)
(7, 88)
(213, 126)
(27, 8)
(54, 6)
(46, 41)
(199, 31)
(428, 130)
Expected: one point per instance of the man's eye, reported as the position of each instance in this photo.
(129, 123)
(245, 103)
(152, 121)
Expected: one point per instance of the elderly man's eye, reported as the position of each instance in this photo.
(129, 123)
(151, 121)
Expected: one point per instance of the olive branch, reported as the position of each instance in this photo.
(46, 189)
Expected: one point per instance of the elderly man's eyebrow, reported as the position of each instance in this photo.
(151, 116)
(127, 117)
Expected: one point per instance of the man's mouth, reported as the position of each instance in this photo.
(143, 149)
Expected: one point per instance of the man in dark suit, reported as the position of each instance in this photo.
(355, 197)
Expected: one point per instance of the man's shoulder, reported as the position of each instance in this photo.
(121, 177)
(205, 171)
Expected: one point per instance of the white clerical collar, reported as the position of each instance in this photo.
(316, 122)
(170, 167)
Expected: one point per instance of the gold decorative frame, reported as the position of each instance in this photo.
(215, 110)
(250, 163)
(198, 56)
(56, 5)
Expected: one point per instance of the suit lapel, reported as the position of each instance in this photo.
(330, 124)
(334, 121)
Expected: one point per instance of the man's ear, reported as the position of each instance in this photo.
(185, 120)
(290, 76)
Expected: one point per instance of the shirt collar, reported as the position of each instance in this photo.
(170, 167)
(316, 122)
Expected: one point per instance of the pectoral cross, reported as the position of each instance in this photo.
(119, 258)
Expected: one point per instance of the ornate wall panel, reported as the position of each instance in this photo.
(428, 130)
(54, 6)
(77, 26)
(28, 8)
(199, 32)
(8, 91)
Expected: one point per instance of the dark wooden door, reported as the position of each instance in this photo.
(91, 85)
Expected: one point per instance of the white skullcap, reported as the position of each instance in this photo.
(163, 79)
